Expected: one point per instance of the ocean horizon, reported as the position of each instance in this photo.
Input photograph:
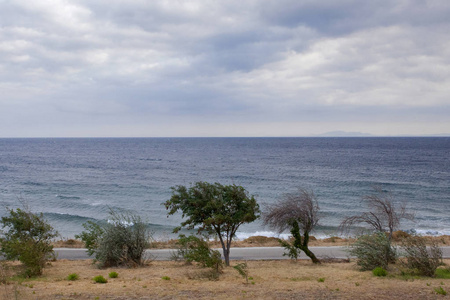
(75, 180)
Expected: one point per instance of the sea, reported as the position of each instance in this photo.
(75, 180)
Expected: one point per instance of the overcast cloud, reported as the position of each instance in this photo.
(223, 68)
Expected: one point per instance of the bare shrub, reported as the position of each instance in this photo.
(298, 212)
(419, 258)
(383, 214)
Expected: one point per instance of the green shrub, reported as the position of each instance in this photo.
(27, 238)
(322, 279)
(379, 271)
(119, 242)
(99, 279)
(442, 273)
(242, 269)
(192, 248)
(73, 277)
(373, 251)
(418, 257)
(113, 274)
(440, 291)
(165, 278)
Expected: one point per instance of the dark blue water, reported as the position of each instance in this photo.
(75, 180)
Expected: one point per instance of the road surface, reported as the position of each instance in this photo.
(247, 253)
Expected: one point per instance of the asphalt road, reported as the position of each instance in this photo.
(249, 253)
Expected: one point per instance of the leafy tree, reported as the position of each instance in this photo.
(298, 212)
(214, 209)
(27, 237)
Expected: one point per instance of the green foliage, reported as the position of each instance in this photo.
(165, 278)
(192, 248)
(113, 275)
(418, 257)
(99, 279)
(91, 237)
(373, 251)
(242, 269)
(119, 242)
(214, 209)
(379, 271)
(322, 279)
(440, 291)
(27, 238)
(291, 250)
(73, 277)
(442, 273)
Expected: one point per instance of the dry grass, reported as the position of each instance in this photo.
(281, 279)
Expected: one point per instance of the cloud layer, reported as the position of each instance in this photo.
(223, 68)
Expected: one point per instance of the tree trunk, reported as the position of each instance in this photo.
(310, 254)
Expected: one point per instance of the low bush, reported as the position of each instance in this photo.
(373, 251)
(113, 275)
(165, 278)
(27, 237)
(99, 279)
(379, 271)
(420, 258)
(73, 277)
(192, 248)
(242, 269)
(440, 291)
(119, 242)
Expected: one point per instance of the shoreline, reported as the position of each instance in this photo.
(262, 241)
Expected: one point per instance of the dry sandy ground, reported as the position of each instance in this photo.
(270, 280)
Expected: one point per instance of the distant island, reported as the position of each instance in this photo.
(345, 134)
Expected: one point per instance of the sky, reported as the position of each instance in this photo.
(188, 68)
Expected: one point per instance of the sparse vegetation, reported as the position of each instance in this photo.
(214, 209)
(113, 275)
(165, 278)
(440, 291)
(99, 279)
(242, 269)
(298, 212)
(27, 237)
(73, 277)
(119, 242)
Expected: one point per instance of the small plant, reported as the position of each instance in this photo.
(73, 277)
(113, 275)
(100, 279)
(165, 278)
(322, 279)
(357, 284)
(379, 271)
(440, 291)
(242, 269)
